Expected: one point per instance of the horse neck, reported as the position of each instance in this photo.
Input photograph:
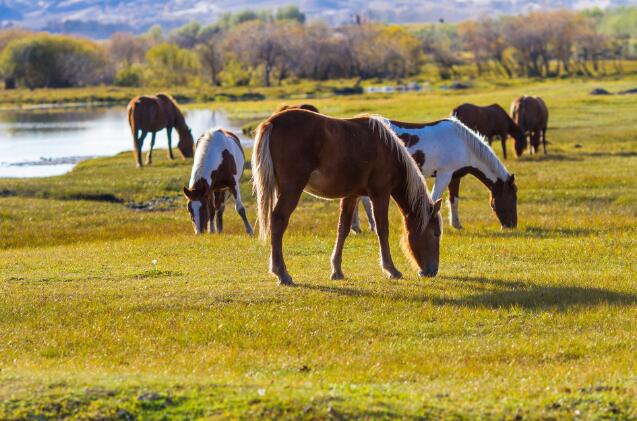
(483, 172)
(414, 216)
(180, 121)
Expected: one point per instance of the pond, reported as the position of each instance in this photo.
(50, 141)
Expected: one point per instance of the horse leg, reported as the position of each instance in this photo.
(220, 206)
(349, 206)
(285, 205)
(544, 140)
(238, 205)
(454, 192)
(367, 205)
(149, 157)
(535, 141)
(169, 132)
(139, 142)
(356, 222)
(381, 209)
(503, 139)
(441, 183)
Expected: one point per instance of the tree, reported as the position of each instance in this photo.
(290, 13)
(169, 65)
(125, 49)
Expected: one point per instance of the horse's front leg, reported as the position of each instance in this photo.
(349, 206)
(285, 205)
(220, 206)
(544, 140)
(149, 157)
(454, 193)
(381, 209)
(442, 181)
(169, 133)
(503, 139)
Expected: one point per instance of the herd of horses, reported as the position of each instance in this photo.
(367, 158)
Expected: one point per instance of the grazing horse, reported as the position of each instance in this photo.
(216, 170)
(448, 150)
(531, 114)
(298, 150)
(308, 107)
(490, 121)
(150, 114)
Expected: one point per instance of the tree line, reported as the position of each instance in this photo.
(265, 48)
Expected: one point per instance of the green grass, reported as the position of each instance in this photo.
(538, 322)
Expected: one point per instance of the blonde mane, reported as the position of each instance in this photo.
(480, 148)
(417, 193)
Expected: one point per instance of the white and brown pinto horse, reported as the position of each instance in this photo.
(299, 150)
(216, 170)
(448, 150)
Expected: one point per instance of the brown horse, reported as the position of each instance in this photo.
(532, 115)
(150, 114)
(298, 150)
(308, 107)
(490, 121)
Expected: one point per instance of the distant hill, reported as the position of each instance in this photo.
(100, 18)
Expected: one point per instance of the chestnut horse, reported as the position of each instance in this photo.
(298, 150)
(448, 150)
(308, 107)
(216, 170)
(490, 121)
(150, 114)
(531, 114)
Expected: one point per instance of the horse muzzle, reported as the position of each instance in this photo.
(430, 271)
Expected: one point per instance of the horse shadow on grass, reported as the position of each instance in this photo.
(495, 294)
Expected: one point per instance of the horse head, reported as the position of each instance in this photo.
(504, 202)
(520, 139)
(186, 143)
(199, 205)
(422, 244)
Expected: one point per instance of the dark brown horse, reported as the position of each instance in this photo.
(490, 121)
(308, 107)
(150, 114)
(298, 150)
(532, 115)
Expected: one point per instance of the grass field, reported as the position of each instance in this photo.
(537, 322)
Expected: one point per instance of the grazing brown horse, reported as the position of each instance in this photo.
(531, 114)
(490, 121)
(308, 107)
(298, 150)
(150, 114)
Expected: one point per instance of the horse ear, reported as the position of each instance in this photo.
(188, 192)
(436, 207)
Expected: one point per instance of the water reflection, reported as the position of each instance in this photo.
(38, 143)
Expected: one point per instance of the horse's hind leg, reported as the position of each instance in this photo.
(544, 140)
(139, 142)
(535, 141)
(169, 133)
(149, 157)
(349, 206)
(240, 208)
(356, 222)
(367, 205)
(454, 192)
(285, 205)
(381, 207)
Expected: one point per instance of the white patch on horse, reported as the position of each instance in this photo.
(209, 156)
(196, 207)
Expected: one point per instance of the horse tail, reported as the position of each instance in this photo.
(133, 128)
(263, 178)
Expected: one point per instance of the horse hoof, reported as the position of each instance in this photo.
(250, 233)
(394, 274)
(356, 230)
(286, 280)
(457, 226)
(337, 276)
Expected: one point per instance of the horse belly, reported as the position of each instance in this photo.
(327, 185)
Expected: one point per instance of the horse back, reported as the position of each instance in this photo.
(148, 114)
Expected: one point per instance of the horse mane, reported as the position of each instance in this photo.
(479, 146)
(201, 151)
(417, 193)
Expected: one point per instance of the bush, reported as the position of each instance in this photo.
(129, 76)
(53, 61)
